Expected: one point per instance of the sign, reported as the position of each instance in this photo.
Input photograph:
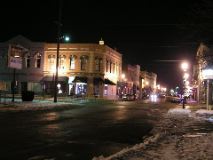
(15, 56)
(207, 74)
(15, 63)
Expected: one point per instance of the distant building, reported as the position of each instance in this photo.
(129, 84)
(136, 82)
(84, 69)
(148, 82)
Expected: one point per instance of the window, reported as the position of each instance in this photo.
(72, 61)
(62, 59)
(107, 64)
(27, 61)
(51, 62)
(83, 62)
(37, 60)
(114, 69)
(110, 67)
(98, 62)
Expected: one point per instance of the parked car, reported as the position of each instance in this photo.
(128, 97)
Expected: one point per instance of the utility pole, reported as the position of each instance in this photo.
(58, 48)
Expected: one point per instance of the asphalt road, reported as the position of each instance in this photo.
(78, 133)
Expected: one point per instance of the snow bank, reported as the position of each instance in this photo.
(204, 112)
(205, 115)
(128, 151)
(178, 111)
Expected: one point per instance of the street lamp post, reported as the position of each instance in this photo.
(184, 67)
(58, 47)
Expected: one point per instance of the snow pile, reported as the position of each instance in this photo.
(126, 152)
(205, 114)
(178, 111)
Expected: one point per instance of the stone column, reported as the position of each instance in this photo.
(91, 62)
(90, 87)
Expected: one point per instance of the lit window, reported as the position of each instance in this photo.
(37, 60)
(83, 62)
(62, 59)
(98, 62)
(110, 67)
(107, 64)
(72, 62)
(51, 61)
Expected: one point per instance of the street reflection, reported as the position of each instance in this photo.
(120, 113)
(52, 116)
(52, 127)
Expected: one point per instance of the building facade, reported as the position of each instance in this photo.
(136, 82)
(148, 82)
(204, 60)
(129, 83)
(84, 69)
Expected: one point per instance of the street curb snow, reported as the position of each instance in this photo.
(159, 133)
(147, 141)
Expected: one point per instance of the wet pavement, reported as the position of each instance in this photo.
(79, 133)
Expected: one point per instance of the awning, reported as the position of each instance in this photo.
(97, 80)
(52, 78)
(80, 79)
(107, 81)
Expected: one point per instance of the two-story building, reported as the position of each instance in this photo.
(84, 69)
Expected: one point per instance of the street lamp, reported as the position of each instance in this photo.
(184, 66)
(66, 38)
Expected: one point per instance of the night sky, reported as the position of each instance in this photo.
(154, 34)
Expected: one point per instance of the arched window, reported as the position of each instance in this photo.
(27, 61)
(72, 61)
(62, 59)
(107, 65)
(37, 60)
(83, 60)
(51, 62)
(110, 67)
(98, 62)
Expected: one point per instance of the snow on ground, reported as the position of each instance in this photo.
(180, 135)
(18, 105)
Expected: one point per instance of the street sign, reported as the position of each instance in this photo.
(15, 63)
(15, 54)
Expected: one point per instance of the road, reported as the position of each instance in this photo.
(78, 133)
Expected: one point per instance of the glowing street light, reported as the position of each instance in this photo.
(184, 66)
(123, 76)
(186, 76)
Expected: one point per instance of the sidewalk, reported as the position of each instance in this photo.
(182, 135)
(47, 103)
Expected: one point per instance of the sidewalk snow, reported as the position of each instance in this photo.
(180, 135)
(39, 105)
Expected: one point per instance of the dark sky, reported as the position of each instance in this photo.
(145, 32)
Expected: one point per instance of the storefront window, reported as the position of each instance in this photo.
(81, 89)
